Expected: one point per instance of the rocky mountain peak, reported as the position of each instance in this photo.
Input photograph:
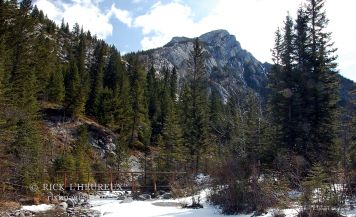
(227, 64)
(219, 37)
(176, 40)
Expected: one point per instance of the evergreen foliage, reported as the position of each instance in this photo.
(139, 127)
(195, 107)
(305, 86)
(55, 89)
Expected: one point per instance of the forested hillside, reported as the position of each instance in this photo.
(257, 129)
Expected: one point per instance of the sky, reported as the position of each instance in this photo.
(133, 25)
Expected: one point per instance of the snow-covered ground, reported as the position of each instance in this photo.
(38, 208)
(114, 208)
(163, 208)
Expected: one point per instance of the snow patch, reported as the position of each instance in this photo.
(38, 208)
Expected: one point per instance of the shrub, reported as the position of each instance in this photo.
(246, 191)
(318, 198)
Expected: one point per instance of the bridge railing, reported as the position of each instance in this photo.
(123, 180)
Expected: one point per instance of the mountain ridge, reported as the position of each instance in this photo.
(228, 65)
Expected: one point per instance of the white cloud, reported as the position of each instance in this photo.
(50, 9)
(163, 22)
(249, 20)
(86, 13)
(122, 15)
(253, 22)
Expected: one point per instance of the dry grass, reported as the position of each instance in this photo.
(6, 205)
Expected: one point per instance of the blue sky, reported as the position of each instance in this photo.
(133, 25)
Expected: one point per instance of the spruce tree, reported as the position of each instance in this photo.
(82, 155)
(105, 107)
(171, 131)
(174, 84)
(6, 130)
(27, 145)
(44, 62)
(195, 94)
(97, 74)
(305, 85)
(55, 89)
(84, 78)
(153, 95)
(72, 91)
(139, 126)
(114, 71)
(323, 85)
(216, 125)
(284, 88)
(123, 109)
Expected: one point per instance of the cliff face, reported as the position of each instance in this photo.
(227, 64)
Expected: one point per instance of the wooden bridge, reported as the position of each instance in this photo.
(135, 181)
(121, 180)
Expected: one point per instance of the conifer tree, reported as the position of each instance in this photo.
(6, 131)
(285, 88)
(305, 86)
(322, 86)
(105, 107)
(174, 84)
(171, 132)
(216, 122)
(27, 144)
(72, 92)
(114, 71)
(154, 111)
(82, 156)
(123, 109)
(55, 87)
(44, 60)
(84, 78)
(97, 74)
(195, 120)
(140, 126)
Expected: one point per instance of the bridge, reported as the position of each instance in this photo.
(121, 180)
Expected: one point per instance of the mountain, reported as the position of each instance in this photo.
(227, 64)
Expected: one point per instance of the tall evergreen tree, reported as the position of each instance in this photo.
(6, 129)
(45, 59)
(195, 120)
(216, 125)
(322, 83)
(55, 89)
(82, 156)
(28, 142)
(123, 112)
(72, 91)
(154, 113)
(97, 74)
(174, 84)
(169, 138)
(114, 71)
(304, 99)
(84, 78)
(140, 126)
(105, 107)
